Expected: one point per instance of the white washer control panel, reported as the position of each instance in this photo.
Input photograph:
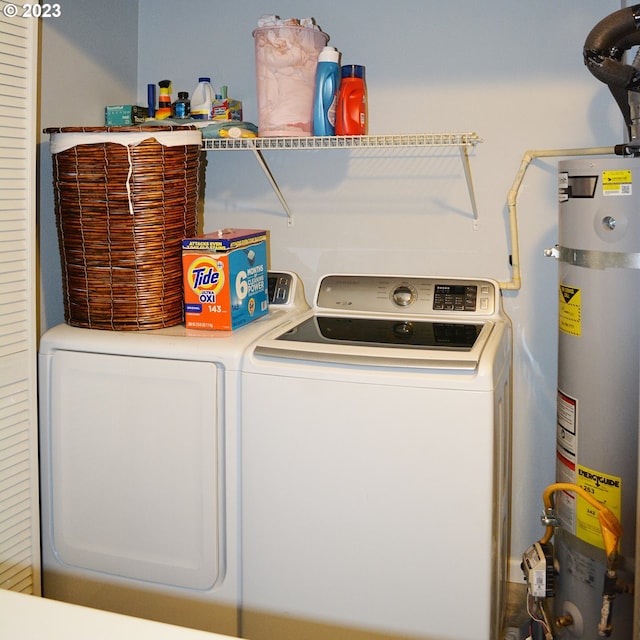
(413, 295)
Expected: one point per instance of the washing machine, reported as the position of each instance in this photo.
(139, 466)
(376, 476)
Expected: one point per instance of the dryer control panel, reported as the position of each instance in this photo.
(285, 291)
(280, 287)
(413, 295)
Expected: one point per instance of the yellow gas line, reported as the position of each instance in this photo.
(609, 524)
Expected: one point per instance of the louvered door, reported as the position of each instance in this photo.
(19, 520)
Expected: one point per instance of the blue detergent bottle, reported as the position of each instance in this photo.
(326, 92)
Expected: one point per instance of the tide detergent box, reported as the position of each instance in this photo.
(225, 278)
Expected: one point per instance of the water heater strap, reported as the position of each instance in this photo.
(598, 259)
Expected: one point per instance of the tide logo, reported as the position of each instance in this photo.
(206, 278)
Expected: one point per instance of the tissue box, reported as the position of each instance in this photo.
(225, 279)
(123, 115)
(226, 109)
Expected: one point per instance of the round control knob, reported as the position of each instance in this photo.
(403, 295)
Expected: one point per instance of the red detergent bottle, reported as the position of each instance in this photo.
(351, 114)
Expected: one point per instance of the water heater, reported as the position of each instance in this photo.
(598, 380)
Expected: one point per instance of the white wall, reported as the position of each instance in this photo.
(510, 71)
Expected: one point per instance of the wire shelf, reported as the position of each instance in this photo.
(463, 141)
(343, 142)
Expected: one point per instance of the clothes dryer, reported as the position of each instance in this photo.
(376, 464)
(139, 466)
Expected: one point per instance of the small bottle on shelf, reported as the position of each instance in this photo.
(182, 106)
(164, 100)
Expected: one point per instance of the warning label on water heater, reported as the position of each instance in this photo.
(616, 183)
(569, 310)
(567, 425)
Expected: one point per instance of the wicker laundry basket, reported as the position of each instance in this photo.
(125, 197)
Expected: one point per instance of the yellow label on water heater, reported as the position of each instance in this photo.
(569, 311)
(616, 182)
(605, 489)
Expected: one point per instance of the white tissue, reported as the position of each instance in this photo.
(276, 21)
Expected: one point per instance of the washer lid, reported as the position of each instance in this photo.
(387, 332)
(380, 341)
